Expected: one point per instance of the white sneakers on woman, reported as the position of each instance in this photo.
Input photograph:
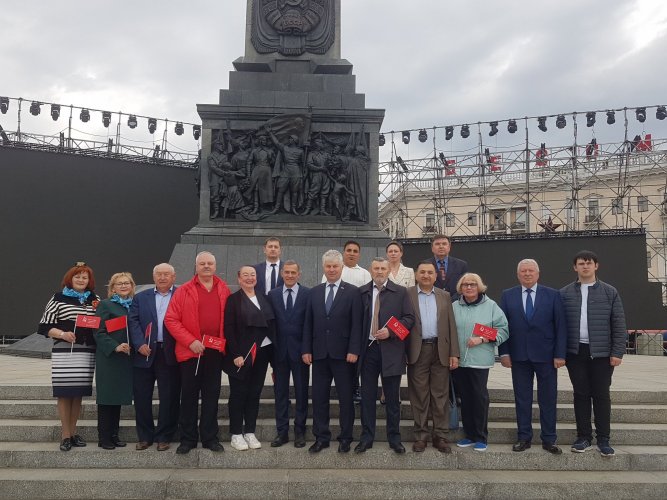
(238, 443)
(253, 442)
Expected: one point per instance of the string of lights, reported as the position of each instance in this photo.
(107, 116)
(512, 127)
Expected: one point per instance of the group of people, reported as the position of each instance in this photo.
(357, 325)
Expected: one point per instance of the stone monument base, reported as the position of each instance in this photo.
(238, 243)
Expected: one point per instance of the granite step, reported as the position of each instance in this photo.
(381, 457)
(171, 483)
(640, 395)
(498, 411)
(499, 432)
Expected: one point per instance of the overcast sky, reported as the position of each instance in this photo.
(427, 62)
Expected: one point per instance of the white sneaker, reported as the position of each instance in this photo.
(253, 442)
(238, 443)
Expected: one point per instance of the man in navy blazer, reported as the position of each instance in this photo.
(332, 335)
(269, 269)
(448, 269)
(154, 359)
(536, 347)
(289, 306)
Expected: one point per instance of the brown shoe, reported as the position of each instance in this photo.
(419, 446)
(440, 444)
(143, 445)
(163, 446)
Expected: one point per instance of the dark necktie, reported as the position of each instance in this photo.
(329, 302)
(289, 305)
(529, 303)
(375, 323)
(273, 276)
(443, 273)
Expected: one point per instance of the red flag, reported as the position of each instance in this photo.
(493, 163)
(398, 328)
(83, 321)
(116, 324)
(216, 343)
(253, 352)
(541, 154)
(149, 328)
(484, 331)
(645, 144)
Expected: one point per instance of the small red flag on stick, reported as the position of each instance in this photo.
(216, 343)
(83, 321)
(116, 324)
(484, 331)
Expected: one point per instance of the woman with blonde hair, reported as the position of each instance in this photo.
(113, 378)
(472, 308)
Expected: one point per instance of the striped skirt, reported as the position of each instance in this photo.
(72, 371)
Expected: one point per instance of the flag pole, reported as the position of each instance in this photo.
(197, 369)
(71, 347)
(127, 334)
(379, 329)
(246, 357)
(150, 332)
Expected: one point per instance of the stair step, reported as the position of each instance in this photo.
(499, 432)
(47, 455)
(40, 409)
(328, 483)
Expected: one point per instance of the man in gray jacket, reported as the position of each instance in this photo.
(596, 334)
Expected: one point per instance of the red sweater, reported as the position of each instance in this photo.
(182, 318)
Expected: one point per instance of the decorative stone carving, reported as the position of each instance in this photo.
(293, 27)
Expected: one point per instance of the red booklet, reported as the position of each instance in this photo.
(216, 343)
(83, 321)
(487, 332)
(398, 328)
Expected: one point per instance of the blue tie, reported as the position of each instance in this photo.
(330, 297)
(529, 304)
(289, 300)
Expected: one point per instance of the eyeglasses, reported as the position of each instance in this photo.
(468, 285)
(122, 283)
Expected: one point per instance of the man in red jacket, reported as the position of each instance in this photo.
(197, 309)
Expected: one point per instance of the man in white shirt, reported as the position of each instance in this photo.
(269, 271)
(352, 272)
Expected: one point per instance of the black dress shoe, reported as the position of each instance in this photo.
(78, 441)
(299, 441)
(397, 447)
(343, 447)
(106, 445)
(552, 448)
(279, 440)
(317, 446)
(521, 446)
(183, 449)
(362, 447)
(117, 442)
(214, 446)
(66, 444)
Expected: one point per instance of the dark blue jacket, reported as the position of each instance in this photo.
(142, 312)
(289, 326)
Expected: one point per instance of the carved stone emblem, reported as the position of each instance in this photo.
(293, 27)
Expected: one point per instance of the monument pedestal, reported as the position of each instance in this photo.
(291, 98)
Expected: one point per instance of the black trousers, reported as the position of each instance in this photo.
(169, 391)
(340, 371)
(471, 384)
(207, 384)
(244, 394)
(108, 422)
(371, 369)
(300, 376)
(591, 380)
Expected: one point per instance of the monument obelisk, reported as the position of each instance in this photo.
(290, 150)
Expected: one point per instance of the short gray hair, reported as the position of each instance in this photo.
(380, 258)
(171, 268)
(528, 261)
(204, 252)
(332, 255)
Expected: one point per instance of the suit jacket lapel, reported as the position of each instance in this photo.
(153, 308)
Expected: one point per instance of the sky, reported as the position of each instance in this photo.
(428, 63)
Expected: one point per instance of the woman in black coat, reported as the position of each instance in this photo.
(250, 333)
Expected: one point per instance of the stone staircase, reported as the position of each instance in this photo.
(31, 466)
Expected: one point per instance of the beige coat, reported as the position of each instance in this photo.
(448, 343)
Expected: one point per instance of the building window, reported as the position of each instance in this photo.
(546, 212)
(642, 204)
(593, 208)
(519, 218)
(472, 218)
(617, 206)
(450, 219)
(498, 220)
(429, 226)
(648, 259)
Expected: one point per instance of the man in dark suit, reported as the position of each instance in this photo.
(268, 272)
(382, 353)
(433, 350)
(332, 335)
(536, 347)
(154, 359)
(289, 306)
(449, 269)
